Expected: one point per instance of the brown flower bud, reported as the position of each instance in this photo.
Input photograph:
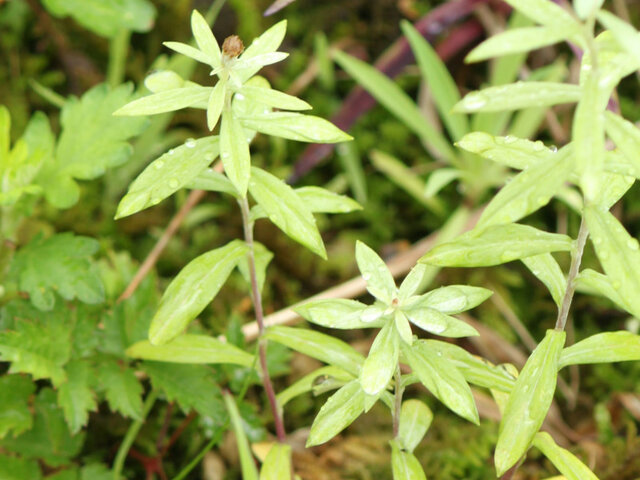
(232, 46)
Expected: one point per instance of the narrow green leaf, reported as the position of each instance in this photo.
(546, 13)
(442, 379)
(295, 126)
(545, 268)
(338, 412)
(595, 283)
(612, 187)
(440, 179)
(162, 80)
(340, 313)
(215, 103)
(192, 290)
(626, 35)
(412, 282)
(565, 461)
(262, 257)
(266, 43)
(442, 86)
(166, 101)
(75, 396)
(496, 244)
(403, 327)
(604, 347)
(626, 136)
(273, 98)
(277, 464)
(374, 271)
(329, 374)
(191, 52)
(516, 96)
(234, 152)
(285, 209)
(321, 200)
(437, 322)
(415, 420)
(318, 345)
(618, 253)
(249, 471)
(168, 173)
(385, 91)
(205, 39)
(529, 401)
(405, 465)
(452, 299)
(382, 361)
(190, 348)
(212, 181)
(518, 153)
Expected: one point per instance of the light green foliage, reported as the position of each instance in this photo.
(546, 269)
(234, 152)
(627, 138)
(277, 464)
(61, 264)
(316, 381)
(380, 364)
(374, 271)
(295, 126)
(567, 463)
(627, 36)
(121, 387)
(15, 416)
(405, 465)
(319, 199)
(546, 13)
(415, 419)
(603, 347)
(340, 313)
(75, 396)
(247, 465)
(511, 151)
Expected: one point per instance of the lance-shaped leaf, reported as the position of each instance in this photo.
(161, 80)
(596, 283)
(249, 471)
(338, 412)
(295, 126)
(415, 419)
(618, 253)
(437, 322)
(191, 349)
(529, 401)
(273, 98)
(277, 464)
(374, 271)
(191, 52)
(338, 313)
(546, 269)
(168, 173)
(496, 244)
(604, 347)
(442, 379)
(519, 95)
(382, 361)
(212, 181)
(518, 153)
(192, 290)
(546, 13)
(611, 188)
(627, 138)
(318, 378)
(285, 209)
(319, 346)
(585, 8)
(234, 152)
(215, 104)
(166, 101)
(529, 191)
(405, 465)
(452, 299)
(204, 38)
(266, 43)
(319, 199)
(627, 36)
(565, 461)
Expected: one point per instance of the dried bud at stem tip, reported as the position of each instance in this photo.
(232, 46)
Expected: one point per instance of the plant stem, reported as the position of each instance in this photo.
(118, 51)
(573, 273)
(247, 225)
(399, 390)
(131, 435)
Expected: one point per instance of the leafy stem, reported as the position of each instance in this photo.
(399, 390)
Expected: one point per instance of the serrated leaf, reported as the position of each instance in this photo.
(121, 387)
(336, 313)
(596, 283)
(545, 268)
(606, 347)
(374, 271)
(442, 379)
(565, 461)
(192, 290)
(106, 17)
(204, 38)
(277, 464)
(266, 43)
(234, 152)
(75, 396)
(545, 13)
(415, 419)
(519, 95)
(405, 465)
(16, 468)
(166, 101)
(15, 416)
(190, 348)
(295, 126)
(626, 35)
(319, 199)
(452, 299)
(438, 323)
(496, 244)
(529, 401)
(318, 345)
(338, 412)
(323, 375)
(247, 465)
(212, 181)
(179, 167)
(273, 98)
(626, 136)
(618, 253)
(285, 210)
(518, 153)
(382, 361)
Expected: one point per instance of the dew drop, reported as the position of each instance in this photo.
(553, 149)
(616, 284)
(172, 151)
(190, 143)
(224, 155)
(366, 276)
(239, 96)
(173, 183)
(209, 157)
(439, 354)
(632, 243)
(158, 164)
(509, 139)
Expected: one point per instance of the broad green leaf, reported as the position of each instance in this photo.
(210, 180)
(604, 347)
(249, 471)
(295, 126)
(234, 152)
(15, 415)
(596, 283)
(415, 419)
(518, 40)
(545, 268)
(338, 412)
(529, 401)
(285, 209)
(277, 464)
(437, 322)
(216, 103)
(496, 244)
(339, 313)
(311, 381)
(266, 43)
(382, 361)
(273, 98)
(626, 35)
(75, 396)
(179, 167)
(261, 257)
(451, 299)
(192, 290)
(405, 465)
(319, 199)
(442, 379)
(374, 271)
(318, 345)
(528, 191)
(565, 461)
(516, 96)
(122, 388)
(106, 17)
(389, 94)
(444, 90)
(16, 468)
(618, 253)
(627, 138)
(205, 39)
(166, 101)
(546, 13)
(511, 151)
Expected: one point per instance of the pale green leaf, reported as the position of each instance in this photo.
(295, 126)
(451, 299)
(565, 461)
(412, 282)
(627, 138)
(210, 180)
(273, 98)
(277, 464)
(442, 379)
(518, 153)
(545, 268)
(179, 167)
(374, 271)
(338, 313)
(216, 103)
(612, 187)
(586, 8)
(163, 80)
(266, 43)
(595, 283)
(321, 200)
(604, 347)
(382, 361)
(415, 419)
(338, 412)
(15, 415)
(192, 290)
(205, 39)
(166, 101)
(496, 244)
(311, 381)
(546, 13)
(516, 96)
(440, 179)
(318, 345)
(234, 152)
(262, 257)
(405, 465)
(249, 471)
(529, 401)
(75, 396)
(403, 327)
(438, 323)
(190, 52)
(626, 35)
(286, 210)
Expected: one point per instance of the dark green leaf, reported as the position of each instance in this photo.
(15, 468)
(121, 387)
(15, 416)
(75, 396)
